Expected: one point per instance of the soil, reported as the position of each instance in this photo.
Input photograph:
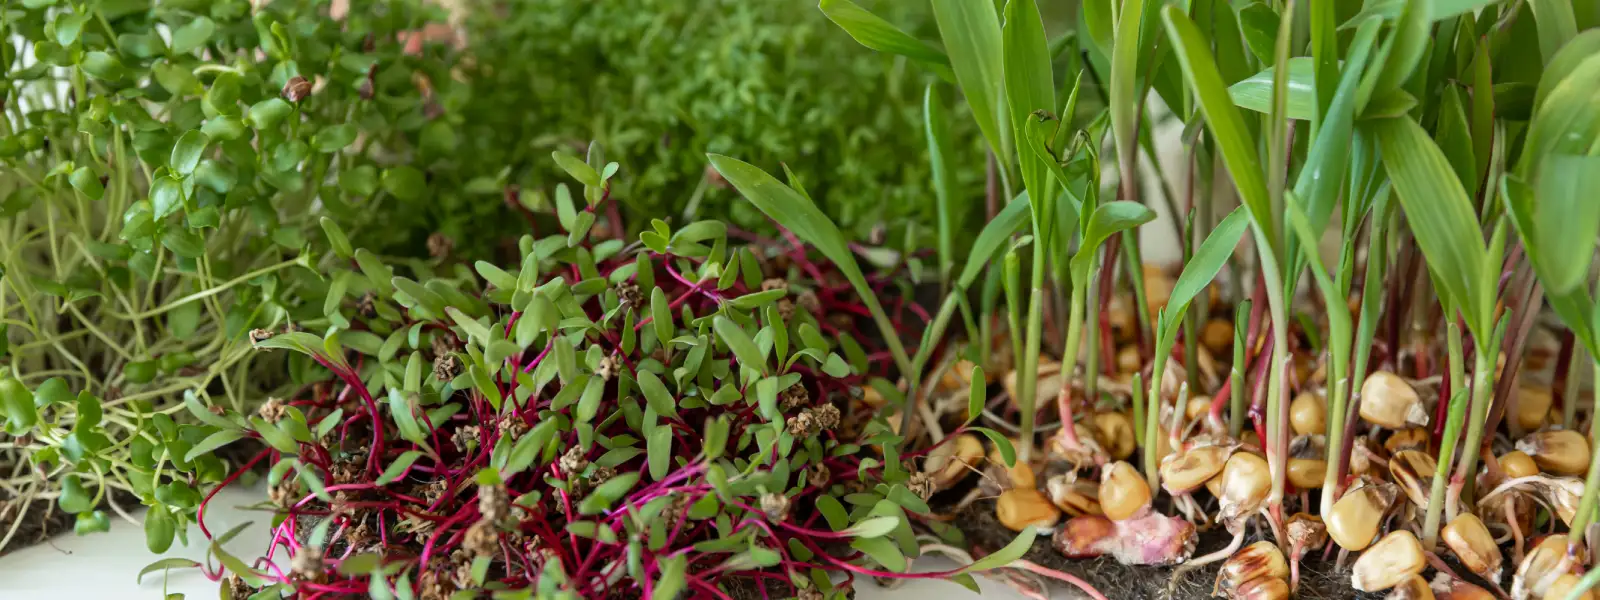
(44, 520)
(37, 529)
(1319, 580)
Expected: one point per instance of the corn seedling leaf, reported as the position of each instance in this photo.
(1439, 212)
(876, 33)
(971, 33)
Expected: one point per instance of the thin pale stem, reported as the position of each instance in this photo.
(1277, 415)
(1152, 424)
(1029, 374)
(1447, 447)
(1482, 392)
(1591, 484)
(1069, 360)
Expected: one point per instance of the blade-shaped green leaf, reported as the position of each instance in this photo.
(1566, 219)
(1438, 9)
(1005, 556)
(1580, 49)
(1222, 118)
(1109, 219)
(798, 214)
(1567, 121)
(875, 33)
(971, 33)
(1407, 42)
(937, 127)
(1125, 104)
(1439, 212)
(1557, 24)
(1207, 261)
(1029, 86)
(994, 235)
(1255, 93)
(1319, 180)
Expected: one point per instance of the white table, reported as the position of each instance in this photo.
(105, 565)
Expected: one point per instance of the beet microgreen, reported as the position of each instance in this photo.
(568, 435)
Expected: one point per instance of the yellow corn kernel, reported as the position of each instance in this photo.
(1128, 360)
(1308, 414)
(1123, 492)
(1307, 473)
(1076, 498)
(1184, 472)
(1115, 432)
(1259, 560)
(1217, 336)
(1563, 587)
(1533, 405)
(1388, 401)
(953, 461)
(1560, 451)
(1517, 464)
(1470, 540)
(1245, 483)
(1355, 518)
(1388, 563)
(1019, 508)
(1415, 438)
(1263, 588)
(1413, 588)
(1413, 471)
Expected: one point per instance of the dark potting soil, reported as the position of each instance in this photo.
(43, 519)
(1319, 579)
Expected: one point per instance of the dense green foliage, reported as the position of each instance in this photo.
(160, 198)
(661, 82)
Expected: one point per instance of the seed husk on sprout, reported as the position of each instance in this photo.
(1074, 497)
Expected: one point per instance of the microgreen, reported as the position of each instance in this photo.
(556, 434)
(165, 167)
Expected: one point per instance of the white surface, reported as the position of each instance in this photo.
(105, 565)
